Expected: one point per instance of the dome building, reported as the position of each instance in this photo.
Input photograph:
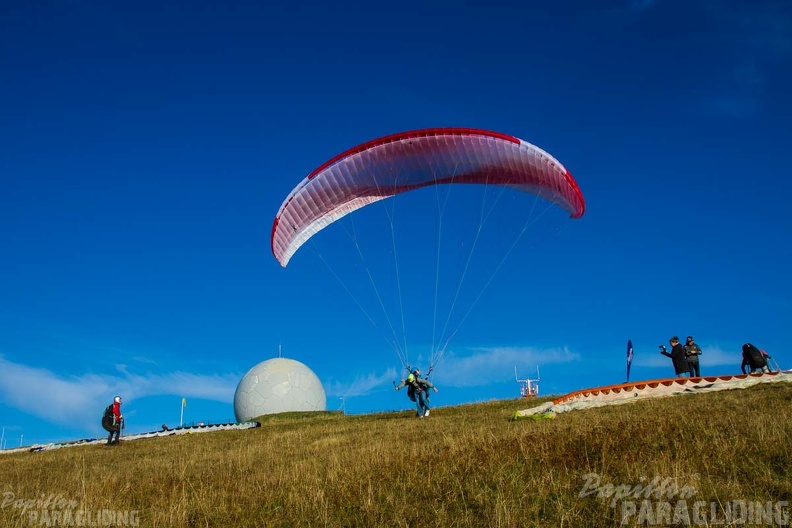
(278, 385)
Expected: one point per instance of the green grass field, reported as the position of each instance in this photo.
(464, 466)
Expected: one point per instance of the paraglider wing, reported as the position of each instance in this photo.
(402, 162)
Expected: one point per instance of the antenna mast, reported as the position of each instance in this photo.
(529, 388)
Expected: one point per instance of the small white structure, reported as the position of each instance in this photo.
(278, 385)
(529, 388)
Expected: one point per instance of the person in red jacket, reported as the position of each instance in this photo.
(113, 420)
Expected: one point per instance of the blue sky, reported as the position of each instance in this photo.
(146, 148)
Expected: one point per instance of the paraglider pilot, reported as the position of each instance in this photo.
(754, 360)
(418, 391)
(113, 421)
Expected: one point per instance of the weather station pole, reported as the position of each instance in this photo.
(2, 440)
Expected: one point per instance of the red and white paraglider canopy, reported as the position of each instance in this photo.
(402, 162)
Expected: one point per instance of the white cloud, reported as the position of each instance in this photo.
(361, 385)
(71, 400)
(479, 366)
(487, 365)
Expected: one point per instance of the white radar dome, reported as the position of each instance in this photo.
(278, 385)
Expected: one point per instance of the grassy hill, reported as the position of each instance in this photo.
(464, 466)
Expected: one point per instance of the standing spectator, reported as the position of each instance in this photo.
(692, 353)
(677, 355)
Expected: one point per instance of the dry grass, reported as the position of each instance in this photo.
(465, 466)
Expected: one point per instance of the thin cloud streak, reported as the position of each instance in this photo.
(496, 364)
(70, 400)
(73, 400)
(481, 366)
(360, 386)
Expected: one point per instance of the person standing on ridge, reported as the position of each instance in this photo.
(678, 358)
(113, 421)
(692, 352)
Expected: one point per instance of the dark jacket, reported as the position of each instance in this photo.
(692, 352)
(679, 358)
(415, 386)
